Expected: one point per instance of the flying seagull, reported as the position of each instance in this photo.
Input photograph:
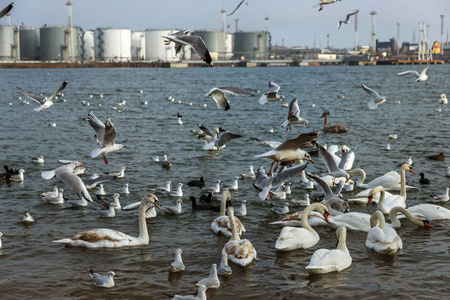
(271, 94)
(376, 99)
(7, 9)
(239, 5)
(347, 19)
(293, 116)
(105, 134)
(44, 102)
(420, 77)
(181, 38)
(324, 2)
(219, 95)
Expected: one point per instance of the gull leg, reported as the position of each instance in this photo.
(321, 7)
(276, 167)
(105, 159)
(271, 168)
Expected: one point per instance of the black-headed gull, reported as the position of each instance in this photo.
(249, 174)
(271, 94)
(43, 102)
(219, 95)
(213, 189)
(100, 190)
(105, 134)
(242, 210)
(201, 295)
(37, 159)
(59, 199)
(280, 210)
(376, 99)
(419, 77)
(124, 189)
(175, 209)
(347, 19)
(205, 134)
(7, 9)
(232, 186)
(178, 192)
(52, 193)
(106, 281)
(239, 5)
(181, 38)
(120, 174)
(212, 281)
(109, 213)
(293, 116)
(95, 179)
(324, 2)
(28, 218)
(224, 268)
(219, 142)
(327, 192)
(334, 169)
(66, 175)
(442, 198)
(177, 265)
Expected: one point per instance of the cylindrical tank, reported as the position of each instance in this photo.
(113, 45)
(29, 44)
(56, 44)
(9, 43)
(227, 47)
(156, 50)
(137, 45)
(251, 44)
(214, 41)
(87, 45)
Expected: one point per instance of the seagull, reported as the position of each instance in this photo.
(95, 179)
(420, 77)
(52, 193)
(100, 190)
(249, 174)
(201, 295)
(376, 99)
(293, 116)
(124, 189)
(103, 281)
(324, 2)
(224, 268)
(105, 133)
(334, 169)
(180, 122)
(239, 5)
(44, 102)
(204, 133)
(219, 95)
(177, 265)
(120, 174)
(66, 175)
(347, 19)
(218, 143)
(242, 210)
(38, 159)
(178, 192)
(280, 210)
(327, 192)
(165, 188)
(58, 199)
(28, 218)
(7, 9)
(232, 186)
(442, 198)
(181, 38)
(271, 94)
(213, 189)
(176, 209)
(164, 163)
(109, 213)
(212, 281)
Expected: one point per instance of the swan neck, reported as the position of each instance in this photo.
(223, 206)
(342, 245)
(360, 172)
(143, 233)
(305, 215)
(403, 183)
(326, 122)
(408, 215)
(234, 235)
(378, 217)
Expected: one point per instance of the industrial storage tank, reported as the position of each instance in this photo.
(137, 45)
(251, 45)
(156, 50)
(214, 41)
(113, 45)
(59, 44)
(29, 44)
(9, 43)
(87, 46)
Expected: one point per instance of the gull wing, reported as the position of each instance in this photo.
(239, 5)
(38, 99)
(323, 185)
(110, 133)
(411, 72)
(271, 144)
(371, 92)
(227, 137)
(98, 126)
(295, 143)
(327, 158)
(196, 43)
(294, 109)
(73, 181)
(7, 9)
(61, 87)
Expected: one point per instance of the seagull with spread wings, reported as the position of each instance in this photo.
(347, 19)
(272, 94)
(293, 116)
(181, 38)
(376, 99)
(43, 102)
(239, 5)
(219, 95)
(219, 142)
(419, 77)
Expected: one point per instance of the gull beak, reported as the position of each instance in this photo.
(311, 161)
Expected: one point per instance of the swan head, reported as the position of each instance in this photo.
(151, 198)
(407, 167)
(369, 199)
(426, 223)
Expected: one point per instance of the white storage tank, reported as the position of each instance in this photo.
(113, 45)
(156, 50)
(137, 45)
(29, 44)
(56, 44)
(9, 43)
(87, 45)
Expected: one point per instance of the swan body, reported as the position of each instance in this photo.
(335, 128)
(292, 238)
(326, 261)
(431, 211)
(382, 239)
(221, 224)
(108, 238)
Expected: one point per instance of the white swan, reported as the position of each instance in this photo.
(352, 221)
(430, 211)
(382, 239)
(325, 261)
(415, 218)
(109, 238)
(390, 180)
(221, 224)
(296, 238)
(239, 251)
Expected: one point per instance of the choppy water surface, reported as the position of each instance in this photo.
(33, 266)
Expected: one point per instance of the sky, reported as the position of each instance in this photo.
(291, 22)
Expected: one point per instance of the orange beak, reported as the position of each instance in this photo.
(426, 223)
(325, 215)
(370, 198)
(412, 171)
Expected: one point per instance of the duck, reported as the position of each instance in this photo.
(197, 183)
(382, 239)
(423, 180)
(177, 265)
(292, 238)
(103, 281)
(240, 252)
(439, 156)
(221, 224)
(335, 128)
(176, 209)
(109, 238)
(325, 261)
(196, 206)
(212, 281)
(224, 268)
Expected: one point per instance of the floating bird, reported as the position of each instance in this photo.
(293, 116)
(181, 38)
(442, 198)
(1, 234)
(178, 264)
(196, 206)
(249, 174)
(52, 193)
(103, 281)
(232, 186)
(423, 180)
(213, 189)
(280, 210)
(382, 239)
(105, 133)
(28, 218)
(7, 9)
(242, 210)
(376, 99)
(198, 183)
(66, 175)
(165, 188)
(347, 19)
(324, 2)
(212, 281)
(44, 102)
(419, 77)
(439, 156)
(239, 5)
(178, 192)
(271, 94)
(224, 268)
(109, 213)
(38, 159)
(219, 95)
(443, 99)
(201, 295)
(164, 163)
(180, 122)
(176, 209)
(335, 128)
(95, 179)
(58, 199)
(100, 190)
(120, 174)
(124, 189)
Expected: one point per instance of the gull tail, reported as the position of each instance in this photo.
(285, 124)
(263, 99)
(96, 152)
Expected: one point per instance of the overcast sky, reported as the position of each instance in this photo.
(292, 22)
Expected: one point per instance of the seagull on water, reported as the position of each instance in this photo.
(177, 265)
(212, 281)
(271, 94)
(105, 133)
(103, 281)
(181, 38)
(347, 19)
(28, 218)
(376, 99)
(219, 95)
(43, 102)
